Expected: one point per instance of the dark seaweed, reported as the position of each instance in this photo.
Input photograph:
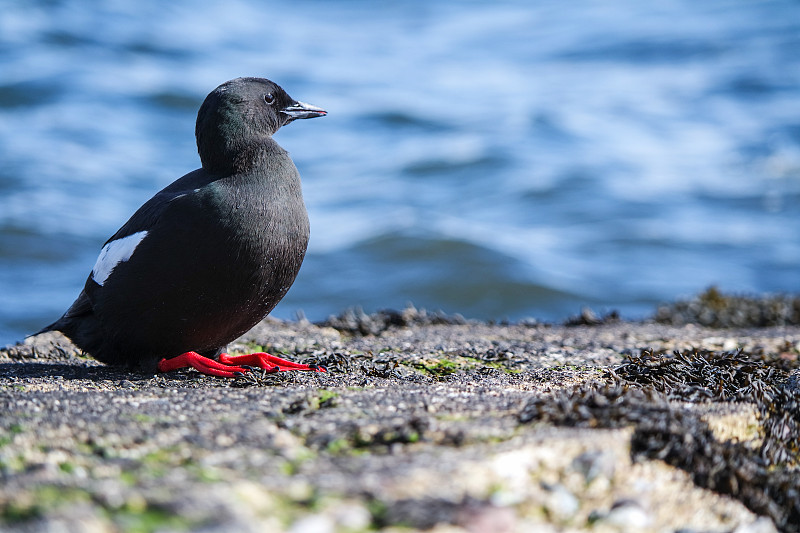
(588, 317)
(355, 321)
(697, 375)
(717, 310)
(638, 393)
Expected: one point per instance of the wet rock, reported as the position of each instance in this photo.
(432, 421)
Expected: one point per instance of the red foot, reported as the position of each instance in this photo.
(266, 361)
(228, 366)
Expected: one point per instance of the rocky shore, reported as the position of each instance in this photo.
(423, 422)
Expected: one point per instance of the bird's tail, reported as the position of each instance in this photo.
(51, 327)
(80, 309)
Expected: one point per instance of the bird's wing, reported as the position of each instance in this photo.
(148, 214)
(121, 246)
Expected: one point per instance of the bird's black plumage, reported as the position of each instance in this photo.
(210, 255)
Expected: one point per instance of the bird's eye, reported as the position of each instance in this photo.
(269, 98)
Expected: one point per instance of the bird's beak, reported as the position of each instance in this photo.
(302, 110)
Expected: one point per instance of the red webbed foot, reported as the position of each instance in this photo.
(231, 366)
(268, 362)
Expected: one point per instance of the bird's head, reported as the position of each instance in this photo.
(242, 112)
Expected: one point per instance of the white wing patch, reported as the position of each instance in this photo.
(113, 254)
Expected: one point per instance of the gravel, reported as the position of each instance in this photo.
(424, 422)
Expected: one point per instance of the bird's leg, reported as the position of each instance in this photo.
(232, 366)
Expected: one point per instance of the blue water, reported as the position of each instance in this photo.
(501, 159)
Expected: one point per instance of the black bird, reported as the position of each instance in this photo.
(210, 255)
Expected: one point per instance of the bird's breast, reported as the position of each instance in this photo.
(265, 231)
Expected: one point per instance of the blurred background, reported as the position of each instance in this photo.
(501, 159)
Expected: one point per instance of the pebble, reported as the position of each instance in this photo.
(313, 524)
(627, 515)
(352, 516)
(561, 504)
(760, 525)
(595, 464)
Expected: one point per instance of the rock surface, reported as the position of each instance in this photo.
(424, 422)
